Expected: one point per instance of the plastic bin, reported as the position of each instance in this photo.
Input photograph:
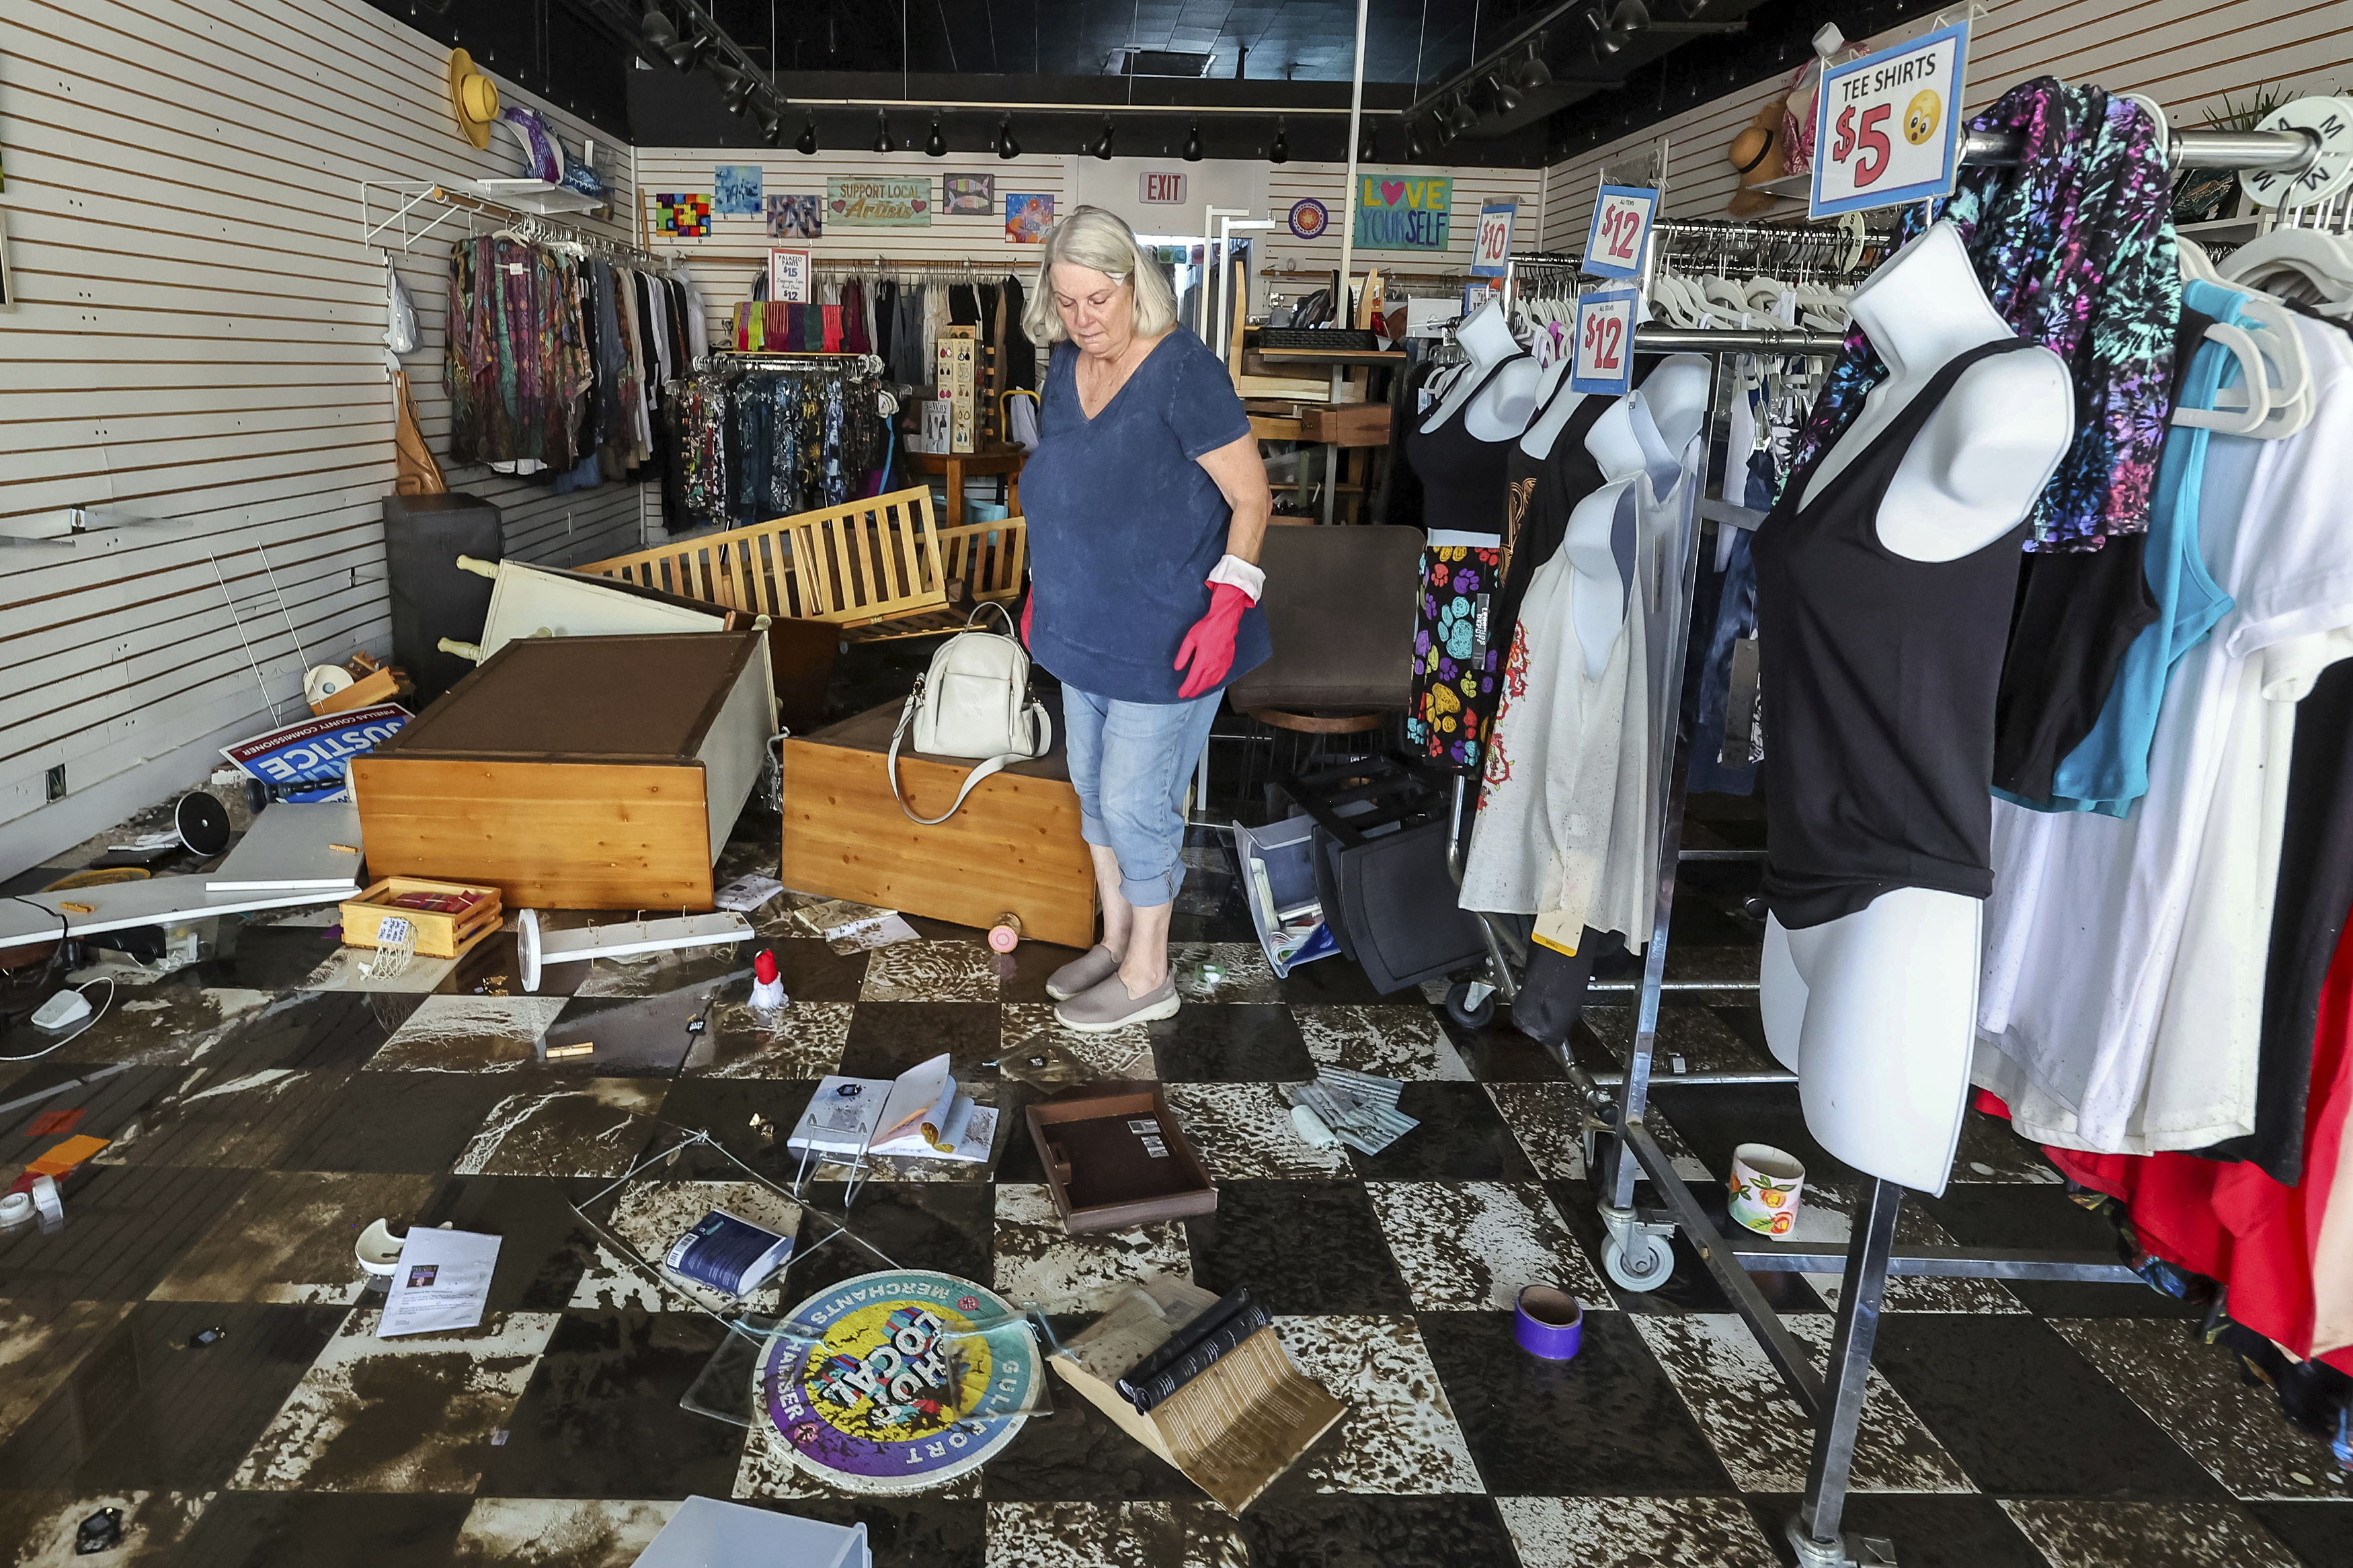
(1278, 871)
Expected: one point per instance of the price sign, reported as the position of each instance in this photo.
(1604, 351)
(1620, 228)
(1889, 125)
(1494, 254)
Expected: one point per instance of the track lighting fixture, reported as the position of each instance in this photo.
(1193, 143)
(736, 88)
(881, 131)
(1532, 73)
(656, 29)
(1368, 148)
(1465, 117)
(1281, 152)
(937, 147)
(1505, 95)
(806, 145)
(1614, 31)
(1103, 147)
(1442, 122)
(1414, 149)
(769, 116)
(1007, 147)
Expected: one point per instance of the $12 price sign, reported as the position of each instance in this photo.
(1604, 353)
(1888, 126)
(1620, 228)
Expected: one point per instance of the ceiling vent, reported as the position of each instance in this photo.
(1157, 62)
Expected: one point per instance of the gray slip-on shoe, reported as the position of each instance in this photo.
(1082, 974)
(1109, 1007)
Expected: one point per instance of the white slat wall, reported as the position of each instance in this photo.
(1328, 183)
(199, 336)
(724, 263)
(2187, 54)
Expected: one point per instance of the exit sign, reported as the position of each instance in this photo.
(1164, 190)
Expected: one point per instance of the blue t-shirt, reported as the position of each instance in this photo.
(1125, 525)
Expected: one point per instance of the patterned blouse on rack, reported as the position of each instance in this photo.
(2077, 251)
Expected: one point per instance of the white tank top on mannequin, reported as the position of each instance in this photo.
(1501, 410)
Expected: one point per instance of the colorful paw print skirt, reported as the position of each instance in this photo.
(1456, 660)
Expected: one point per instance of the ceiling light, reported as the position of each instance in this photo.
(1103, 147)
(937, 147)
(1006, 146)
(1532, 73)
(657, 29)
(1368, 150)
(1627, 18)
(806, 145)
(1465, 117)
(1414, 151)
(1193, 143)
(881, 131)
(1443, 123)
(1506, 96)
(769, 116)
(736, 88)
(1281, 152)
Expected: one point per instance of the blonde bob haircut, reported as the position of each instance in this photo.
(1101, 242)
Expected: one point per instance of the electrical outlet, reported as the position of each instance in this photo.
(57, 782)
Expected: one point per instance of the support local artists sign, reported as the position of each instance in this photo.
(1403, 212)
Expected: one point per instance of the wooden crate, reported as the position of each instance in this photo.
(1345, 424)
(438, 935)
(576, 773)
(1014, 847)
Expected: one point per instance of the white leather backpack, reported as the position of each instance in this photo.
(974, 703)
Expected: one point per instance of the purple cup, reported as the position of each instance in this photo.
(1549, 1322)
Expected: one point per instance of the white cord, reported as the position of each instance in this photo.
(107, 982)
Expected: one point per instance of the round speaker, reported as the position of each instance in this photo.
(203, 823)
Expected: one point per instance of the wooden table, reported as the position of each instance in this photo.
(956, 466)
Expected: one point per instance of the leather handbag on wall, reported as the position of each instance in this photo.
(975, 702)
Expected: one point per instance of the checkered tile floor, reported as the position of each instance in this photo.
(277, 1111)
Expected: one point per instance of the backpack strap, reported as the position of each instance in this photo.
(1044, 730)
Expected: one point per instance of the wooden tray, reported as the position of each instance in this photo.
(438, 935)
(1096, 1170)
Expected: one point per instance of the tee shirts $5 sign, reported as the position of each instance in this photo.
(1889, 126)
(1604, 362)
(1620, 228)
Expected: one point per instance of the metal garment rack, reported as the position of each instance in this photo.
(1637, 1254)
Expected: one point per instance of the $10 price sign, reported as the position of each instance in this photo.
(1889, 126)
(1604, 353)
(1620, 228)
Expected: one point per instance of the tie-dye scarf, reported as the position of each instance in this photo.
(2075, 250)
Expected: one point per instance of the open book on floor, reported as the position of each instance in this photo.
(920, 1113)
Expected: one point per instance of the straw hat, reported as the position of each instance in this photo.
(474, 98)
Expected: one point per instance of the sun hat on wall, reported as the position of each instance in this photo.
(474, 98)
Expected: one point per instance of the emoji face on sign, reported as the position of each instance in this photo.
(1920, 117)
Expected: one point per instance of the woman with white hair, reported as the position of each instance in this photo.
(1146, 502)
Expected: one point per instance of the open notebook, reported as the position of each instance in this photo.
(919, 1113)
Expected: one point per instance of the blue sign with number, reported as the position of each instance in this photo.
(1603, 353)
(1619, 229)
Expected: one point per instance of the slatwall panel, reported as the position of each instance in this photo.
(199, 336)
(1328, 183)
(2188, 54)
(725, 264)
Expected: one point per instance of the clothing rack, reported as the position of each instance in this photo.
(532, 225)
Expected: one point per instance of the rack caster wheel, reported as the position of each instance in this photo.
(1463, 1010)
(1643, 1268)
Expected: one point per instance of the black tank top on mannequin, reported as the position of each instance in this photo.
(1461, 477)
(1880, 675)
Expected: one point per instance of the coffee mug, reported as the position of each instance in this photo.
(1765, 1185)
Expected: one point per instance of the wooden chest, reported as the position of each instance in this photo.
(1014, 847)
(576, 773)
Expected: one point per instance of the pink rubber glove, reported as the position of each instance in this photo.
(1208, 647)
(1028, 608)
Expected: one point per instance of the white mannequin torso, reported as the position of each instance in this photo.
(1876, 1011)
(1499, 409)
(1555, 404)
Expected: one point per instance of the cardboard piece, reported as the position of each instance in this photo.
(1233, 1429)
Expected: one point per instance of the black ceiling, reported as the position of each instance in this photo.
(1290, 53)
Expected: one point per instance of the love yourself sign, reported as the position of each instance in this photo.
(1403, 212)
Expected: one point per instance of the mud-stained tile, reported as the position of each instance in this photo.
(410, 1415)
(2193, 1390)
(1827, 1213)
(468, 1034)
(929, 972)
(2140, 1534)
(222, 1116)
(656, 973)
(1469, 1245)
(1244, 1131)
(1686, 1165)
(1038, 1260)
(1545, 1119)
(1123, 1053)
(767, 1470)
(803, 1039)
(288, 1238)
(649, 1217)
(1757, 1430)
(1403, 1042)
(1096, 1534)
(42, 1524)
(1399, 1436)
(593, 1128)
(1245, 975)
(1990, 1152)
(41, 1344)
(559, 1532)
(1635, 1532)
(1694, 1033)
(170, 1023)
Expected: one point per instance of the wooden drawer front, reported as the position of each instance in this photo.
(1014, 846)
(561, 836)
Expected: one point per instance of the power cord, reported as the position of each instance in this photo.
(105, 979)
